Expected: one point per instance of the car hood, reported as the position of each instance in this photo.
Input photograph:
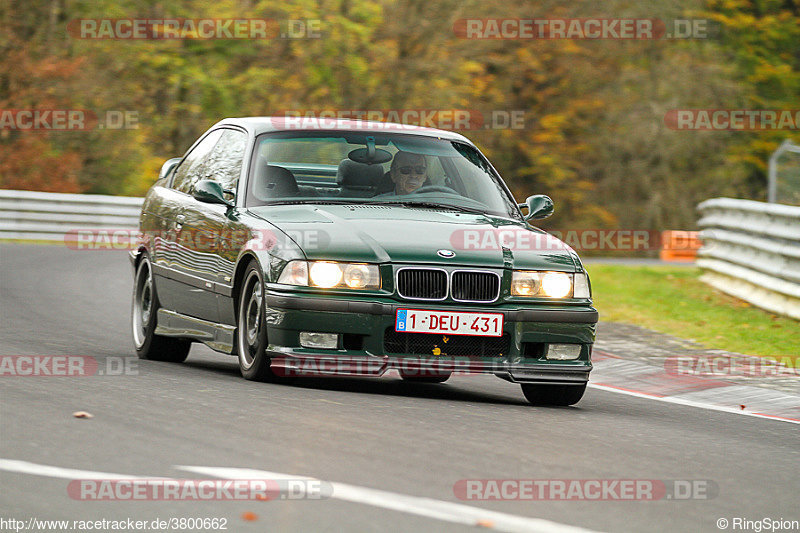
(398, 234)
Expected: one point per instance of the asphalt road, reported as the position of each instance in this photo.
(377, 433)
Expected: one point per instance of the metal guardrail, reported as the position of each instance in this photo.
(29, 215)
(751, 250)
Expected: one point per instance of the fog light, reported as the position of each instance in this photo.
(564, 352)
(325, 341)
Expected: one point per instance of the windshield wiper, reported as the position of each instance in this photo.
(316, 200)
(332, 201)
(432, 205)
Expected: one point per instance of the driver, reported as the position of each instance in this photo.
(409, 172)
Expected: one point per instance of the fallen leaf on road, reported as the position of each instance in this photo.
(82, 414)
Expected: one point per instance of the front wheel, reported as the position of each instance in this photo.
(553, 394)
(144, 311)
(251, 331)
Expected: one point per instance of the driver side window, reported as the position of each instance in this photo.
(224, 162)
(187, 173)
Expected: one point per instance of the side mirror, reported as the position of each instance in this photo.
(539, 206)
(210, 192)
(168, 167)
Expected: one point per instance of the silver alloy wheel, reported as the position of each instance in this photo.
(142, 303)
(250, 324)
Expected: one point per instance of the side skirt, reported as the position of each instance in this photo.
(219, 337)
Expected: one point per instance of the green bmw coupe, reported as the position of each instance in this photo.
(315, 247)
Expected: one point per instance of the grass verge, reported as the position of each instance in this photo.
(673, 300)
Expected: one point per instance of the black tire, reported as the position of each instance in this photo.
(440, 378)
(144, 310)
(553, 394)
(251, 330)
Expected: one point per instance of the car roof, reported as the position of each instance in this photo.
(259, 125)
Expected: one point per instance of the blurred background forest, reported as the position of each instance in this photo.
(594, 137)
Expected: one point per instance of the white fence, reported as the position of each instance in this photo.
(751, 250)
(49, 216)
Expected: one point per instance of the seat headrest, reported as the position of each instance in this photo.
(385, 183)
(354, 175)
(272, 181)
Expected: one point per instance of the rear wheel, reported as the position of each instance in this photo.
(251, 331)
(144, 310)
(553, 394)
(437, 378)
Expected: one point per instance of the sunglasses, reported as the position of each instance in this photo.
(412, 170)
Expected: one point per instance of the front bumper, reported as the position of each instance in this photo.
(366, 326)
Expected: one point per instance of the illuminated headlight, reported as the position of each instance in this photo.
(331, 274)
(325, 274)
(541, 284)
(581, 289)
(526, 283)
(563, 352)
(556, 284)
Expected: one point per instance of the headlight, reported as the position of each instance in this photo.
(525, 283)
(556, 284)
(359, 276)
(325, 274)
(331, 274)
(541, 284)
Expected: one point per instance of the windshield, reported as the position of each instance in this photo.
(364, 167)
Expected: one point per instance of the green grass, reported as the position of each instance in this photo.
(673, 300)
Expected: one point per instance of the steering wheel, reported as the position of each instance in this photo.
(435, 188)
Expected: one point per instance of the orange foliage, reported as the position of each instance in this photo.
(30, 163)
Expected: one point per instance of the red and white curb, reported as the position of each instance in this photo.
(614, 374)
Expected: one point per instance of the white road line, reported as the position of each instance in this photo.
(24, 467)
(690, 403)
(440, 510)
(427, 507)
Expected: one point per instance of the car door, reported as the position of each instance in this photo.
(183, 289)
(204, 224)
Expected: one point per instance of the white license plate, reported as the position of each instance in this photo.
(449, 322)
